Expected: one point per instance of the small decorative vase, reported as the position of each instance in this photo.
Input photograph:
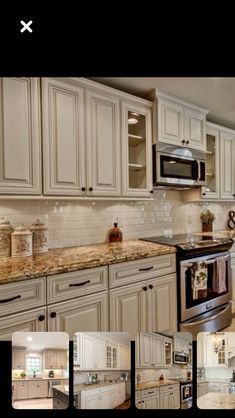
(40, 237)
(207, 227)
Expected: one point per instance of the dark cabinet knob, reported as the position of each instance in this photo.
(150, 286)
(41, 318)
(83, 189)
(53, 314)
(90, 189)
(183, 141)
(234, 195)
(204, 194)
(187, 142)
(151, 191)
(145, 288)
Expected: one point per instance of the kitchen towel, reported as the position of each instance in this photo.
(219, 275)
(199, 278)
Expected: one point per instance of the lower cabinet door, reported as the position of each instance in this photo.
(151, 403)
(162, 315)
(106, 400)
(92, 402)
(88, 313)
(174, 400)
(22, 390)
(128, 309)
(164, 401)
(29, 321)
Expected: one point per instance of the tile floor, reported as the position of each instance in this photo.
(45, 403)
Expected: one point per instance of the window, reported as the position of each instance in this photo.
(33, 364)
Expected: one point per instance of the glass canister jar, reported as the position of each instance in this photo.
(5, 237)
(21, 242)
(40, 237)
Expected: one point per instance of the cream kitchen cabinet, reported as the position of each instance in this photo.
(87, 313)
(20, 390)
(37, 389)
(212, 189)
(227, 164)
(147, 399)
(136, 149)
(92, 352)
(20, 137)
(28, 321)
(18, 359)
(103, 398)
(140, 306)
(124, 357)
(55, 359)
(170, 397)
(181, 344)
(178, 123)
(150, 350)
(111, 356)
(80, 122)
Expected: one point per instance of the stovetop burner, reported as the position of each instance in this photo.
(194, 243)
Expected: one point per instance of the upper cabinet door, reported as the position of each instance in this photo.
(170, 122)
(63, 138)
(212, 163)
(20, 136)
(103, 144)
(194, 134)
(227, 164)
(136, 150)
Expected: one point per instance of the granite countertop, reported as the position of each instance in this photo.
(62, 260)
(80, 387)
(15, 379)
(220, 234)
(216, 400)
(156, 384)
(61, 388)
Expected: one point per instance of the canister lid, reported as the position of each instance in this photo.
(38, 225)
(21, 230)
(5, 225)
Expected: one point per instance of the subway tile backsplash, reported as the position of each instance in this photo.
(73, 223)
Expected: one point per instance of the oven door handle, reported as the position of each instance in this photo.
(211, 318)
(212, 261)
(198, 170)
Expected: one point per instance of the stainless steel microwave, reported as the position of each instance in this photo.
(180, 357)
(178, 166)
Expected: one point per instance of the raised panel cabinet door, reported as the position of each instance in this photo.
(87, 346)
(50, 359)
(124, 357)
(63, 138)
(195, 129)
(227, 165)
(100, 355)
(164, 401)
(61, 359)
(145, 349)
(92, 401)
(88, 313)
(233, 280)
(18, 359)
(170, 120)
(28, 321)
(212, 189)
(162, 314)
(151, 403)
(22, 390)
(43, 389)
(20, 135)
(157, 351)
(136, 150)
(128, 308)
(103, 145)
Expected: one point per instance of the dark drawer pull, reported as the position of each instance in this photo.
(41, 318)
(53, 314)
(151, 286)
(10, 299)
(151, 392)
(79, 284)
(146, 268)
(145, 288)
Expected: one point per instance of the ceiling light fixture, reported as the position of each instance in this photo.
(216, 340)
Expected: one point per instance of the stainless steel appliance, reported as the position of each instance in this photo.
(180, 358)
(51, 373)
(203, 307)
(178, 166)
(186, 394)
(52, 383)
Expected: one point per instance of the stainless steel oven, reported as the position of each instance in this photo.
(186, 395)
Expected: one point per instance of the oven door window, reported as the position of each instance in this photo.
(174, 167)
(206, 280)
(186, 392)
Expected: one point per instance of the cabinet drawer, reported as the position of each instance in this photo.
(144, 269)
(150, 392)
(170, 388)
(21, 296)
(79, 283)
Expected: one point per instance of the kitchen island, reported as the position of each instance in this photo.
(216, 400)
(60, 397)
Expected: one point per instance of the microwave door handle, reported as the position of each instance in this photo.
(198, 170)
